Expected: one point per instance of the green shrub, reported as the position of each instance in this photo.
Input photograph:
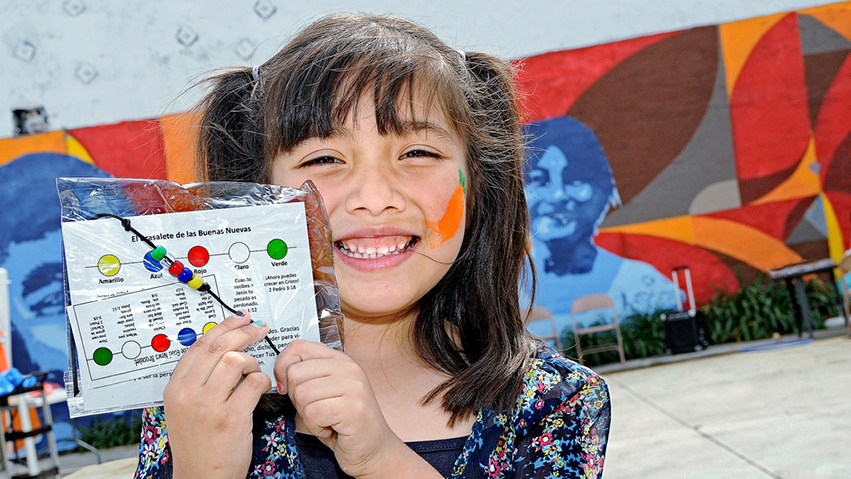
(756, 311)
(113, 432)
(761, 308)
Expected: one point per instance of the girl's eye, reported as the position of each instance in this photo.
(421, 154)
(322, 160)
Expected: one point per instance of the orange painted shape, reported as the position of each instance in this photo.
(803, 182)
(678, 228)
(51, 142)
(448, 225)
(180, 135)
(837, 16)
(740, 241)
(738, 39)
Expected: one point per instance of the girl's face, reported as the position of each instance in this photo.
(397, 205)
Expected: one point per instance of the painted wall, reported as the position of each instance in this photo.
(688, 123)
(91, 62)
(724, 148)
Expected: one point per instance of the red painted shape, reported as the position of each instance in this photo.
(707, 270)
(549, 83)
(777, 219)
(833, 125)
(841, 202)
(768, 106)
(130, 149)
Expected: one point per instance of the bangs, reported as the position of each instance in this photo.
(321, 92)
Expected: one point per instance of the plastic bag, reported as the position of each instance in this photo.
(130, 316)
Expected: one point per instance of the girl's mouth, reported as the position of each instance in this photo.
(374, 248)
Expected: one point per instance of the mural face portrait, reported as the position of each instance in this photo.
(569, 186)
(30, 249)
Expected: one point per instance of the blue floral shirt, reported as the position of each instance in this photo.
(557, 429)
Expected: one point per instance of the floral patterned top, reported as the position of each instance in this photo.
(557, 429)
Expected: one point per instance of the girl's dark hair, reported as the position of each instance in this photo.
(469, 325)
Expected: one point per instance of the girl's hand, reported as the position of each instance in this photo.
(336, 403)
(209, 402)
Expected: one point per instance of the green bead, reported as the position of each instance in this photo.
(158, 253)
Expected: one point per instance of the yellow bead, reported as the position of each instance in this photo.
(195, 282)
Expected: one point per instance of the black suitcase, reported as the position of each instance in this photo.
(685, 330)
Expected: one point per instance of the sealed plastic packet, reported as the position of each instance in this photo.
(151, 265)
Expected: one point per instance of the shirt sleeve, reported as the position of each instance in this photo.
(154, 451)
(570, 440)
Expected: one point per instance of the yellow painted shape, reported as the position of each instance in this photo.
(734, 239)
(678, 228)
(837, 16)
(743, 242)
(51, 142)
(76, 149)
(835, 241)
(180, 136)
(738, 40)
(802, 183)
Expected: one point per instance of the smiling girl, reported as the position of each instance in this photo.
(417, 151)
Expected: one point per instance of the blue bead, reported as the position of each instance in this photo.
(185, 275)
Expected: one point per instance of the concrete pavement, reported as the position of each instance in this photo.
(783, 413)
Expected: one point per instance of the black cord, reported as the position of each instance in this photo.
(205, 287)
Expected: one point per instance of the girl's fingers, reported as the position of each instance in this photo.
(249, 390)
(298, 351)
(229, 372)
(321, 417)
(188, 358)
(233, 334)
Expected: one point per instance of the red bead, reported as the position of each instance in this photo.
(176, 268)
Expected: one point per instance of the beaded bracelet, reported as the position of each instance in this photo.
(158, 258)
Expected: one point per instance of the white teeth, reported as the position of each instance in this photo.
(371, 252)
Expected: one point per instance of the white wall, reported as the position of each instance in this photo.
(91, 62)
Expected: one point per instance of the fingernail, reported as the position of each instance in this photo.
(259, 323)
(240, 314)
(280, 388)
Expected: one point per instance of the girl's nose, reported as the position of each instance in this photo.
(374, 189)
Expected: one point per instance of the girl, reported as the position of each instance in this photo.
(417, 151)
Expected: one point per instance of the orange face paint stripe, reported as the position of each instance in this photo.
(448, 225)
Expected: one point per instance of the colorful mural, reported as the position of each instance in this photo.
(29, 226)
(729, 145)
(726, 148)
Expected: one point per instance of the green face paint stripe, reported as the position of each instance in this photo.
(462, 180)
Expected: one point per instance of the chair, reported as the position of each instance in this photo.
(19, 402)
(539, 315)
(20, 423)
(596, 302)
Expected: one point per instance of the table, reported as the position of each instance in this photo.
(792, 275)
